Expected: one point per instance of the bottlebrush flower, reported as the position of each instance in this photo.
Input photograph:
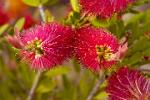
(45, 45)
(95, 48)
(3, 17)
(29, 21)
(128, 85)
(103, 8)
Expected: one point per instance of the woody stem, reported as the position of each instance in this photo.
(34, 86)
(96, 87)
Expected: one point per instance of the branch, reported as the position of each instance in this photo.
(97, 85)
(42, 13)
(34, 86)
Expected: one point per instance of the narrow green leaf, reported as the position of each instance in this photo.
(134, 59)
(60, 70)
(100, 23)
(3, 28)
(75, 5)
(101, 96)
(46, 86)
(19, 24)
(133, 18)
(136, 47)
(49, 16)
(34, 3)
(146, 52)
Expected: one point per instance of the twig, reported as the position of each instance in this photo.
(34, 86)
(97, 85)
(42, 13)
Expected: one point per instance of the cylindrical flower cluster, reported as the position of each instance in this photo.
(128, 84)
(104, 8)
(95, 48)
(44, 46)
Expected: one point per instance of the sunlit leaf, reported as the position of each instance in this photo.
(60, 70)
(101, 96)
(19, 24)
(140, 45)
(75, 5)
(46, 86)
(3, 28)
(34, 3)
(49, 16)
(146, 52)
(100, 23)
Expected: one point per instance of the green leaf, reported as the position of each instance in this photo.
(46, 86)
(146, 52)
(101, 96)
(34, 3)
(134, 59)
(60, 70)
(3, 28)
(76, 65)
(140, 45)
(75, 5)
(49, 17)
(100, 23)
(133, 18)
(19, 24)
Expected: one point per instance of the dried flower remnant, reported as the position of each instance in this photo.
(95, 48)
(128, 84)
(45, 46)
(122, 51)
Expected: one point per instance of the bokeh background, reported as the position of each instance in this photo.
(69, 81)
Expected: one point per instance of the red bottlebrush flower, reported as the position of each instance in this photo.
(46, 45)
(29, 21)
(100, 8)
(3, 17)
(128, 85)
(103, 8)
(95, 48)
